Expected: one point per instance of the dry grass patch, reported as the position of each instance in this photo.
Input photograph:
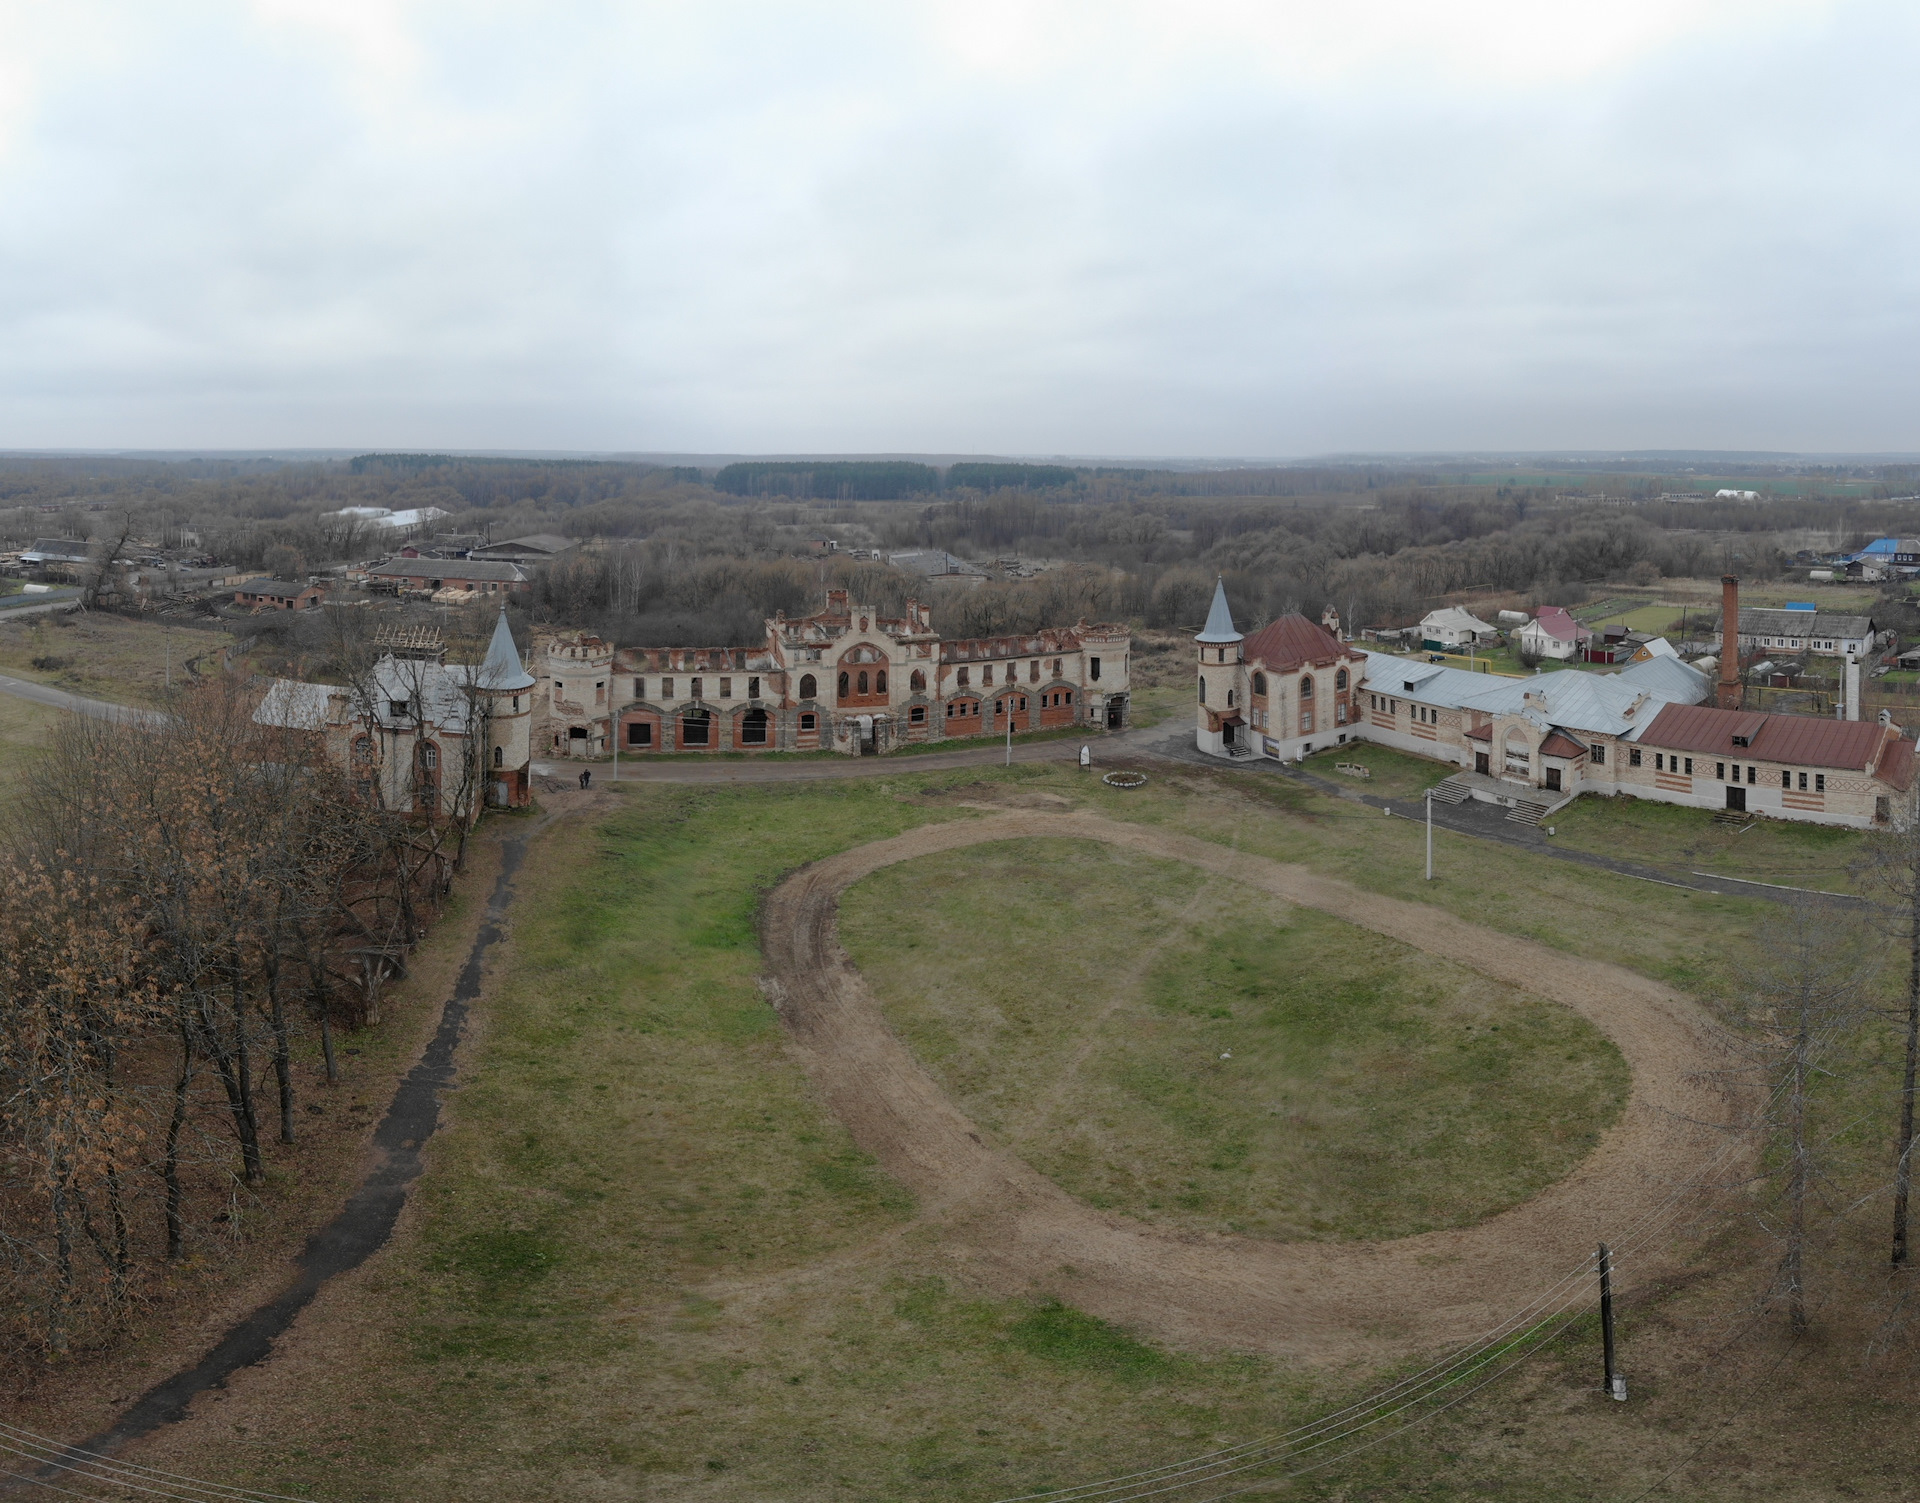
(101, 656)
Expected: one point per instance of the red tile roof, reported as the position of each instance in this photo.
(1292, 641)
(1801, 740)
(1559, 745)
(1480, 733)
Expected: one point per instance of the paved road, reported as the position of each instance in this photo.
(99, 709)
(1105, 744)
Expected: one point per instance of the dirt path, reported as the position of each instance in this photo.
(1312, 1302)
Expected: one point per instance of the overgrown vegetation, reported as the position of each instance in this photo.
(703, 556)
(181, 900)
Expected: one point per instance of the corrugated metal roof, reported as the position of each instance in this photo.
(1799, 740)
(1666, 677)
(1559, 744)
(295, 705)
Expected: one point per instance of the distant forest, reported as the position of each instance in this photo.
(686, 554)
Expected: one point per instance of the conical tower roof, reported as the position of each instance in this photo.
(502, 671)
(1219, 627)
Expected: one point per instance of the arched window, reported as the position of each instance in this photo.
(1259, 683)
(696, 728)
(843, 686)
(1229, 699)
(363, 751)
(918, 683)
(753, 727)
(499, 756)
(1340, 679)
(429, 756)
(1203, 691)
(880, 682)
(1306, 687)
(808, 688)
(863, 681)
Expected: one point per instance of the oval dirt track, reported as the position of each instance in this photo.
(1306, 1301)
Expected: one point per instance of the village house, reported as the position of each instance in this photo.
(275, 595)
(846, 679)
(1553, 633)
(421, 735)
(1451, 627)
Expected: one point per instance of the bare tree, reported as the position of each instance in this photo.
(1803, 1000)
(1892, 862)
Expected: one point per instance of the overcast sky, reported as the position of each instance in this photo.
(1216, 227)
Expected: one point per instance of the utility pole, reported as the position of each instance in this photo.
(1429, 834)
(1616, 1384)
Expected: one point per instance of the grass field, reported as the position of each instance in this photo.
(101, 656)
(645, 1262)
(1395, 774)
(1221, 1062)
(644, 1259)
(1685, 840)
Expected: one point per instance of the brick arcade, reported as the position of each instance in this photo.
(847, 679)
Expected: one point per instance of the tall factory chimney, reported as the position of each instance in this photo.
(1729, 696)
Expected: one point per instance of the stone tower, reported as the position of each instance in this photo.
(506, 689)
(1220, 720)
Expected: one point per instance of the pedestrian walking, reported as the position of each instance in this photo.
(586, 778)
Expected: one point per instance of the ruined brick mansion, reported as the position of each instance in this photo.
(847, 679)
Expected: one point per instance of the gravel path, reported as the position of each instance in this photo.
(1308, 1302)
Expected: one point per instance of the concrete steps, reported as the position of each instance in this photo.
(1451, 791)
(1526, 812)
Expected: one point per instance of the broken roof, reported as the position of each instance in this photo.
(495, 570)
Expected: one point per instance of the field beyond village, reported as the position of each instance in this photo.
(648, 1259)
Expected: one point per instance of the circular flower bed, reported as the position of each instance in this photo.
(1124, 779)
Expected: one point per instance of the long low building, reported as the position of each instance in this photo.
(847, 679)
(1544, 739)
(484, 576)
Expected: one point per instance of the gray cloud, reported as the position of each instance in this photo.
(1192, 229)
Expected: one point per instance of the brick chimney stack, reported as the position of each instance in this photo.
(1729, 696)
